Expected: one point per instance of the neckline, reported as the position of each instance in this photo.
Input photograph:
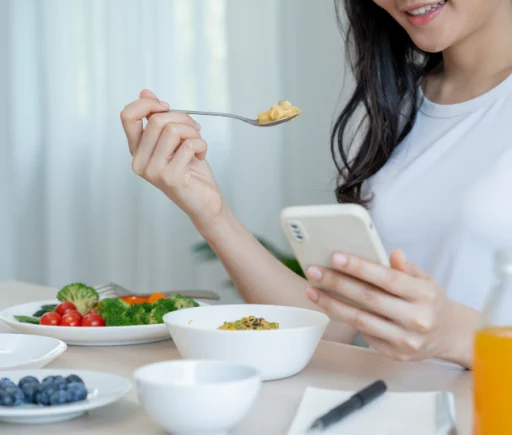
(450, 110)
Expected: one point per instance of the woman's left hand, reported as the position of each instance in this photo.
(403, 312)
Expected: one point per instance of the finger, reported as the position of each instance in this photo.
(165, 151)
(363, 321)
(146, 93)
(363, 294)
(392, 281)
(390, 351)
(188, 150)
(176, 129)
(399, 262)
(132, 115)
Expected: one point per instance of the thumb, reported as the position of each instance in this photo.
(399, 262)
(146, 93)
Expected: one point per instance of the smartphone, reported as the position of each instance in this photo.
(316, 232)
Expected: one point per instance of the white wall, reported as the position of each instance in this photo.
(315, 79)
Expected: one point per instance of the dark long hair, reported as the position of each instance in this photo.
(388, 69)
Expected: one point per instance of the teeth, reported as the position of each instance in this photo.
(426, 9)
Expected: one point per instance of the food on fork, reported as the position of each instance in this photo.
(249, 323)
(284, 109)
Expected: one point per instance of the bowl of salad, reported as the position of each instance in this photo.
(77, 316)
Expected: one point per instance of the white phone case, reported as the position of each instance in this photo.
(316, 232)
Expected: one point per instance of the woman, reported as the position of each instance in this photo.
(434, 81)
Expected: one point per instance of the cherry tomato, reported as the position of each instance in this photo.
(71, 318)
(93, 311)
(64, 307)
(93, 319)
(50, 319)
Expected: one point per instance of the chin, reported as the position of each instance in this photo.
(431, 45)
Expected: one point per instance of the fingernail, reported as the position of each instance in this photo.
(165, 104)
(340, 259)
(315, 272)
(312, 294)
(198, 126)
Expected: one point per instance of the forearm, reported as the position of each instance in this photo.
(460, 344)
(258, 275)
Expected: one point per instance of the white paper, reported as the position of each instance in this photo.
(390, 414)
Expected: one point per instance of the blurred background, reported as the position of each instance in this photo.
(71, 208)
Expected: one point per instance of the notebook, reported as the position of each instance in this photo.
(429, 413)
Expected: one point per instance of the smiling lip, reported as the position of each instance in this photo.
(420, 5)
(421, 20)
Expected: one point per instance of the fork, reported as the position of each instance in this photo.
(254, 122)
(112, 290)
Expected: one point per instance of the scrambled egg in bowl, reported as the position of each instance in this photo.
(249, 323)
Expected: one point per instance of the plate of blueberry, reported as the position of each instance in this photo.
(44, 396)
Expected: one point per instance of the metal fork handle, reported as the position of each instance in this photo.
(225, 115)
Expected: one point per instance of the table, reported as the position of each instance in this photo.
(333, 366)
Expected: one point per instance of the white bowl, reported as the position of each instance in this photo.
(18, 351)
(275, 354)
(197, 397)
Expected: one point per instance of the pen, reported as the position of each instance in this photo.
(356, 402)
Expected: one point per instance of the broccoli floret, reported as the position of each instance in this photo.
(83, 297)
(183, 302)
(138, 314)
(115, 312)
(160, 309)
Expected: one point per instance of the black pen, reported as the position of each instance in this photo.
(356, 402)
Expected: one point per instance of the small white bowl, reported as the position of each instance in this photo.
(275, 354)
(197, 397)
(19, 351)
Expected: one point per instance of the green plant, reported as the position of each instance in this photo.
(206, 253)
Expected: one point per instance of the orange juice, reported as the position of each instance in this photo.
(492, 381)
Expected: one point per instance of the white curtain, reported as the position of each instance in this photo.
(72, 210)
(70, 207)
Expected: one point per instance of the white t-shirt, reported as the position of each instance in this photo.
(439, 196)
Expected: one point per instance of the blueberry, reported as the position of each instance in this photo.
(42, 398)
(29, 390)
(74, 378)
(60, 384)
(49, 389)
(76, 392)
(26, 380)
(6, 399)
(60, 397)
(6, 383)
(16, 394)
(48, 380)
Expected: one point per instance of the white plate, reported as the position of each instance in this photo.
(18, 351)
(88, 336)
(103, 388)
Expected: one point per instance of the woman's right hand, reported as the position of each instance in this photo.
(170, 154)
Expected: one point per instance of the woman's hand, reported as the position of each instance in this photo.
(403, 313)
(170, 153)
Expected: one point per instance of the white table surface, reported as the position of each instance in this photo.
(333, 366)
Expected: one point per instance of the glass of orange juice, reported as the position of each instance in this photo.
(492, 358)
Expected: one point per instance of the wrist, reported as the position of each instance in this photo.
(217, 228)
(458, 347)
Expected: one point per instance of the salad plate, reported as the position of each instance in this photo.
(102, 389)
(20, 351)
(84, 336)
